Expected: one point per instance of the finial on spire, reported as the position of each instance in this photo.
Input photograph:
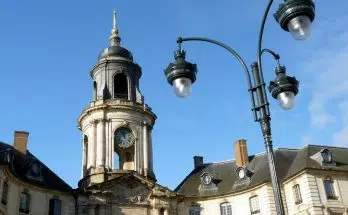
(114, 38)
(114, 26)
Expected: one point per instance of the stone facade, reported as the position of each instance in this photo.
(320, 188)
(314, 198)
(39, 198)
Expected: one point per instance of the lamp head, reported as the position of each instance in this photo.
(284, 88)
(181, 74)
(296, 16)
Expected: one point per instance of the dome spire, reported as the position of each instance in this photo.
(114, 37)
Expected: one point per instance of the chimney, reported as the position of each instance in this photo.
(241, 153)
(20, 141)
(197, 161)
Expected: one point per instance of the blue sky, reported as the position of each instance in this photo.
(48, 48)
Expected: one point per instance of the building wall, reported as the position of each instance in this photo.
(336, 206)
(240, 202)
(39, 198)
(314, 200)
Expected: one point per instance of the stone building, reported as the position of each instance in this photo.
(314, 181)
(117, 167)
(27, 186)
(117, 175)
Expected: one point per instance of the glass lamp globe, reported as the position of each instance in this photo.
(300, 27)
(286, 100)
(182, 87)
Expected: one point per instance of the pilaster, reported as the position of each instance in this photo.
(145, 145)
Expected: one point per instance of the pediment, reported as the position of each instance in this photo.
(125, 189)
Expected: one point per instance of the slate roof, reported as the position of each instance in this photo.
(21, 166)
(289, 162)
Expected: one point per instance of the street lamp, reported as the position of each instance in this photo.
(295, 16)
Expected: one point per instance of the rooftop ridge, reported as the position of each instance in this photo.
(256, 154)
(325, 146)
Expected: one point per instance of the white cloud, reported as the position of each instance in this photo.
(340, 138)
(328, 68)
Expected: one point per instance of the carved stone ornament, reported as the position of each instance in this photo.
(125, 123)
(130, 191)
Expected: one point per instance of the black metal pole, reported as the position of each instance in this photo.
(262, 106)
(265, 119)
(265, 123)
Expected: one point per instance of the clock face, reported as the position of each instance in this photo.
(124, 137)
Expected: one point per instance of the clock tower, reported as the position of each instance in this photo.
(116, 125)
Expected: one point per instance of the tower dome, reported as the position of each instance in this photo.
(115, 50)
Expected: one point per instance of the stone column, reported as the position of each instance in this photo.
(150, 150)
(84, 156)
(166, 211)
(100, 143)
(145, 145)
(93, 148)
(111, 148)
(107, 150)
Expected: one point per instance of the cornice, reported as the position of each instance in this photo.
(112, 105)
(122, 61)
(21, 183)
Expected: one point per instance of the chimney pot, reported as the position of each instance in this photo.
(241, 153)
(197, 161)
(21, 141)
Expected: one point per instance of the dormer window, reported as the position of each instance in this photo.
(326, 156)
(206, 178)
(241, 172)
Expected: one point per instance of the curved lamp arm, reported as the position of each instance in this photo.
(236, 55)
(259, 45)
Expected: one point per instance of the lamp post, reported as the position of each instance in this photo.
(294, 16)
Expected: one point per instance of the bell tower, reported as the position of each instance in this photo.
(116, 125)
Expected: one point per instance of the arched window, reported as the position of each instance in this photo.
(226, 209)
(4, 193)
(55, 207)
(24, 202)
(94, 90)
(330, 188)
(161, 212)
(297, 194)
(120, 86)
(254, 205)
